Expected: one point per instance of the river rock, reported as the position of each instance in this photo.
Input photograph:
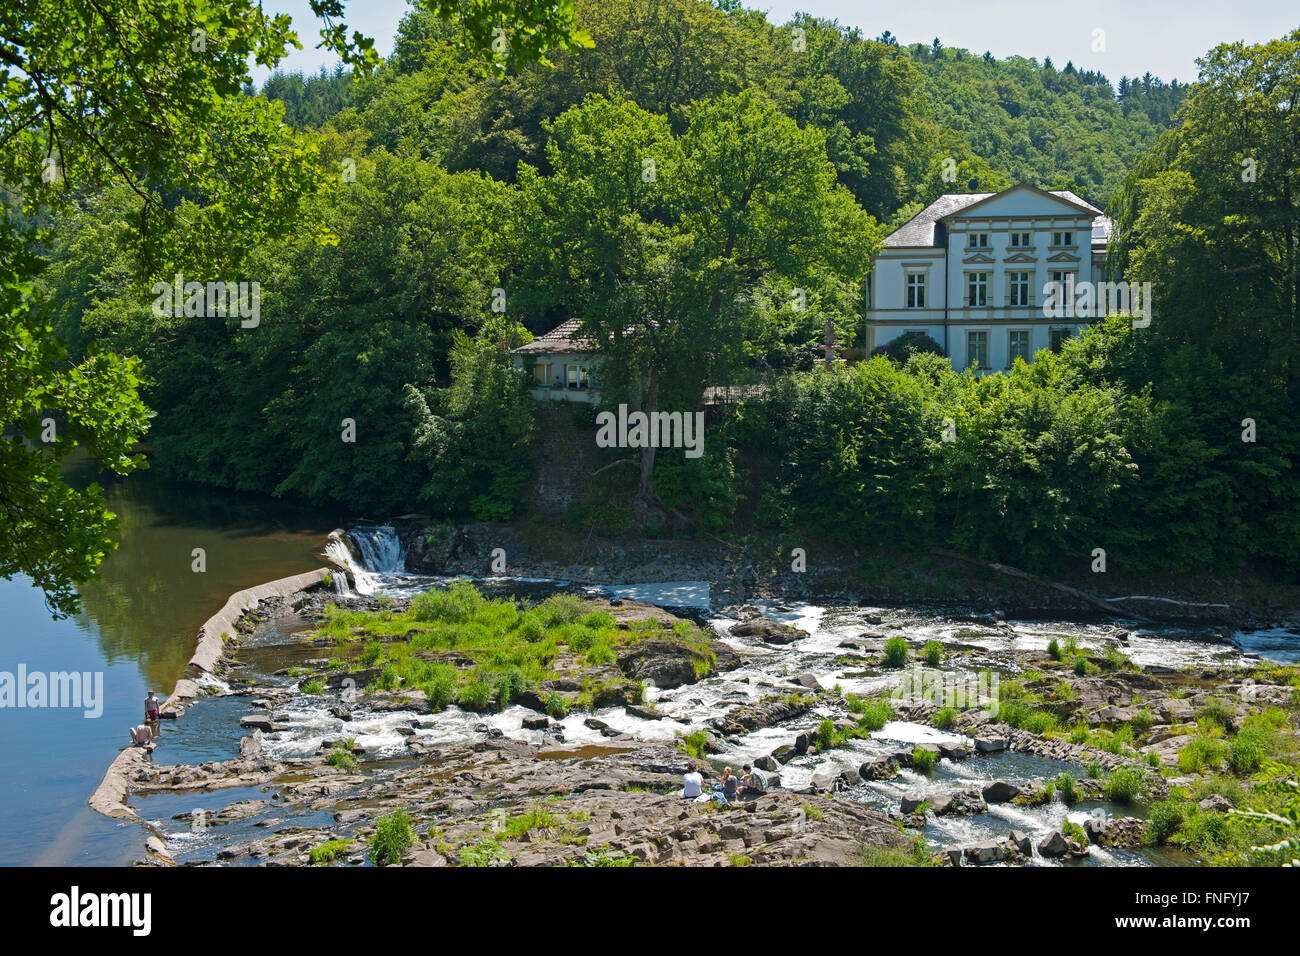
(982, 853)
(954, 751)
(808, 680)
(1021, 842)
(645, 713)
(665, 664)
(958, 804)
(989, 745)
(1052, 845)
(260, 722)
(1215, 803)
(770, 632)
(999, 791)
(911, 804)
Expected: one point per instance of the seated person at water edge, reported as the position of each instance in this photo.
(754, 781)
(141, 735)
(692, 782)
(151, 705)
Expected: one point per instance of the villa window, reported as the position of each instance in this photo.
(1018, 287)
(1017, 345)
(1020, 240)
(916, 290)
(977, 240)
(542, 374)
(1062, 238)
(977, 350)
(977, 289)
(1056, 337)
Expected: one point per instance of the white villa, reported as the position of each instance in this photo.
(563, 365)
(971, 270)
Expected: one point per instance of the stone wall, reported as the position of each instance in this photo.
(564, 457)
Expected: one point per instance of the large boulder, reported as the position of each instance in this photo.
(664, 663)
(982, 853)
(958, 804)
(1053, 845)
(999, 791)
(770, 632)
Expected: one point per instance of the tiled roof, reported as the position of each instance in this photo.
(562, 338)
(919, 230)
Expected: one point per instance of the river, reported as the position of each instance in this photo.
(137, 629)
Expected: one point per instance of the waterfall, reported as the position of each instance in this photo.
(381, 553)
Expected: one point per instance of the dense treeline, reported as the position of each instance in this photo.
(379, 375)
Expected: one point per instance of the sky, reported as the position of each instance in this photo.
(1163, 37)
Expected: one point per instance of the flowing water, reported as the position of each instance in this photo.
(768, 670)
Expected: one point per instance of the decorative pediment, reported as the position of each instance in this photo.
(1063, 257)
(1020, 257)
(979, 259)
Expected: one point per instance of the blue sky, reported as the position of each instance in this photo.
(1161, 36)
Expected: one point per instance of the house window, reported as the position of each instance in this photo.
(1017, 346)
(1018, 287)
(542, 374)
(1056, 337)
(977, 289)
(1062, 238)
(977, 350)
(977, 240)
(1020, 240)
(916, 290)
(576, 376)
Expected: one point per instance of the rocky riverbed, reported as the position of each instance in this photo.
(253, 774)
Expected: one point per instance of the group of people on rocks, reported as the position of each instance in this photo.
(732, 788)
(143, 735)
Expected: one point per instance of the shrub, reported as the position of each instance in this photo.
(945, 718)
(1073, 831)
(826, 734)
(895, 652)
(475, 695)
(458, 603)
(924, 760)
(811, 812)
(933, 653)
(1054, 649)
(875, 714)
(556, 704)
(1217, 711)
(327, 852)
(486, 852)
(313, 686)
(1200, 753)
(1144, 720)
(562, 609)
(694, 743)
(1065, 785)
(510, 685)
(392, 838)
(370, 656)
(1164, 820)
(600, 653)
(1247, 751)
(1125, 784)
(342, 758)
(603, 856)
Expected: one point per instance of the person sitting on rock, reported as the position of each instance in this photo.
(692, 782)
(753, 782)
(141, 735)
(730, 786)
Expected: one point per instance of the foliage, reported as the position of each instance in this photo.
(392, 838)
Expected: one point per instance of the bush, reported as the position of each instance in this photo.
(1200, 753)
(557, 705)
(1054, 649)
(509, 686)
(875, 714)
(313, 686)
(1125, 784)
(327, 852)
(895, 652)
(458, 603)
(945, 718)
(475, 695)
(1066, 786)
(826, 734)
(392, 838)
(600, 653)
(1218, 712)
(342, 758)
(1164, 820)
(562, 609)
(933, 653)
(924, 760)
(1247, 751)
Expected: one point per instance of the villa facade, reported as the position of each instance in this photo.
(562, 365)
(972, 271)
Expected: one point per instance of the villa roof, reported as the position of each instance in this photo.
(919, 231)
(563, 338)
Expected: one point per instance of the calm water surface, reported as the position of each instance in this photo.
(136, 628)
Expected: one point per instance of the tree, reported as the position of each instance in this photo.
(92, 94)
(660, 267)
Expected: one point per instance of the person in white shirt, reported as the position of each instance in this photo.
(151, 706)
(692, 782)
